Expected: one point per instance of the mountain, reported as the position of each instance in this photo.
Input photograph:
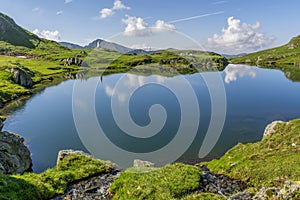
(99, 43)
(71, 45)
(232, 55)
(15, 35)
(284, 55)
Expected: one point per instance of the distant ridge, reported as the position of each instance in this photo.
(99, 43)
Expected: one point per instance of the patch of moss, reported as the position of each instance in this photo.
(269, 162)
(170, 182)
(51, 182)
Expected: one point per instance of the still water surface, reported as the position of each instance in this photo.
(254, 96)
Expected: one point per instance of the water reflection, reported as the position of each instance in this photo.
(233, 72)
(252, 103)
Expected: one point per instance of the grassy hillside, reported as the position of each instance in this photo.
(285, 58)
(15, 35)
(288, 54)
(267, 163)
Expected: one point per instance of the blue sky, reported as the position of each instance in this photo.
(248, 25)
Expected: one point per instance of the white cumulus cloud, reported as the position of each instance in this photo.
(136, 26)
(118, 5)
(47, 34)
(68, 1)
(107, 12)
(161, 25)
(239, 37)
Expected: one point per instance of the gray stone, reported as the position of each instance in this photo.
(22, 77)
(2, 119)
(73, 61)
(219, 184)
(14, 155)
(270, 128)
(141, 163)
(65, 153)
(242, 196)
(288, 191)
(92, 188)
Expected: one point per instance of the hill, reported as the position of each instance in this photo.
(288, 54)
(99, 43)
(13, 34)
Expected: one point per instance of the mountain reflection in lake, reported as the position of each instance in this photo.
(255, 97)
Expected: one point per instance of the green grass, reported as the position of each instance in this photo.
(51, 182)
(203, 196)
(184, 61)
(284, 58)
(170, 182)
(267, 163)
(283, 55)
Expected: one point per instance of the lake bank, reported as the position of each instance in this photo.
(256, 183)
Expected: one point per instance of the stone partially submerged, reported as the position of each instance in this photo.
(14, 155)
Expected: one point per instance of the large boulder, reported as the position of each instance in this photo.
(73, 61)
(22, 77)
(14, 155)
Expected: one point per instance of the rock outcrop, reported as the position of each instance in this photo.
(141, 163)
(22, 77)
(270, 128)
(65, 153)
(14, 155)
(219, 184)
(288, 191)
(73, 61)
(92, 188)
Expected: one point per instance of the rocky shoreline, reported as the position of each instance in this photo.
(15, 159)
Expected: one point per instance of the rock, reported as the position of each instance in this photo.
(72, 61)
(270, 128)
(141, 163)
(219, 183)
(242, 196)
(288, 191)
(22, 77)
(2, 119)
(93, 188)
(65, 153)
(14, 155)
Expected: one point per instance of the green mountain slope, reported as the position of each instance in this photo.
(288, 54)
(13, 34)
